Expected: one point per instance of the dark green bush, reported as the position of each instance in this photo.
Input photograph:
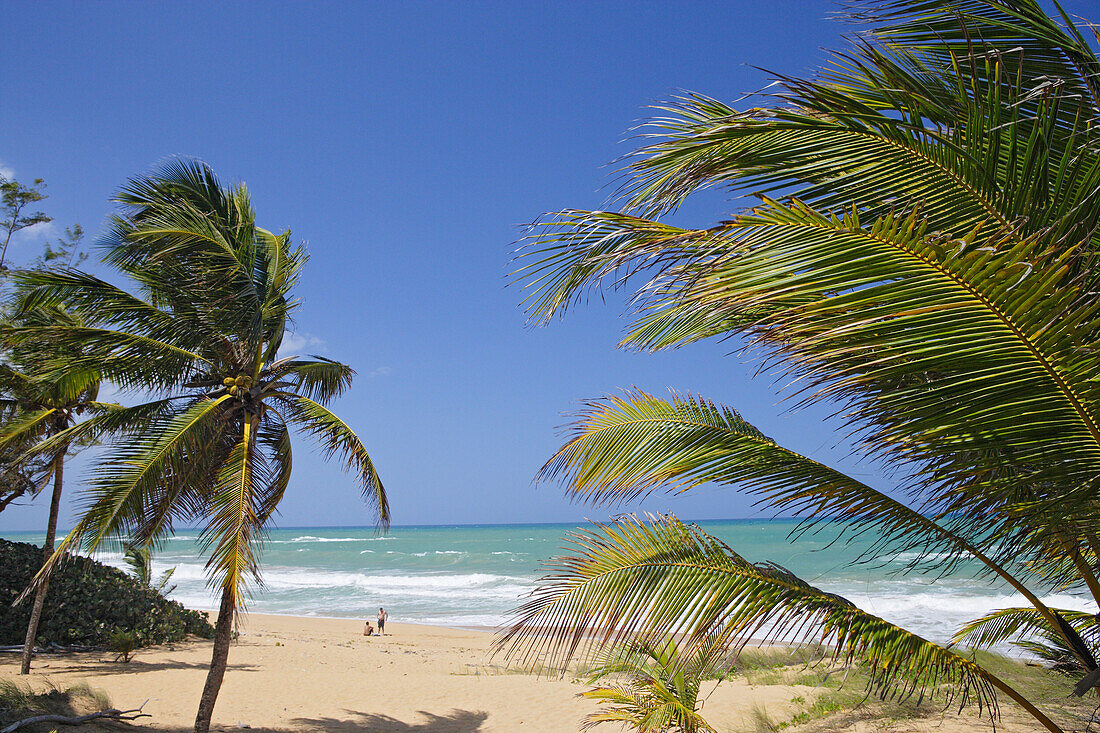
(87, 601)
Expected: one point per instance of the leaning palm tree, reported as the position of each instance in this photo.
(924, 256)
(201, 329)
(35, 411)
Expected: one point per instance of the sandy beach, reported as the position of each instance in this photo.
(312, 674)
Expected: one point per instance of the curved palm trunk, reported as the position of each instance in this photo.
(223, 630)
(47, 551)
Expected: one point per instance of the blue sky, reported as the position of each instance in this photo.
(406, 144)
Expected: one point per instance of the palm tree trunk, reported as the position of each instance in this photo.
(223, 630)
(47, 551)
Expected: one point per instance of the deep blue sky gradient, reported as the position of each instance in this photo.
(406, 143)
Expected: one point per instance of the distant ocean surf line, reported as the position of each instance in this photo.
(472, 576)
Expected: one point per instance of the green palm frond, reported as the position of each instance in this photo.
(140, 469)
(1012, 624)
(621, 448)
(632, 579)
(318, 378)
(946, 351)
(28, 425)
(1033, 45)
(335, 438)
(139, 559)
(647, 706)
(116, 355)
(233, 532)
(273, 439)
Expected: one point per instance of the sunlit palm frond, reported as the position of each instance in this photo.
(621, 448)
(318, 378)
(1032, 44)
(335, 438)
(127, 481)
(1012, 624)
(946, 351)
(632, 579)
(28, 425)
(234, 527)
(645, 705)
(659, 681)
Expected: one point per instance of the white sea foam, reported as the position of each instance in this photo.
(905, 558)
(463, 577)
(311, 538)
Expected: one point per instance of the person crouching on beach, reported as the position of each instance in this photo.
(368, 630)
(382, 616)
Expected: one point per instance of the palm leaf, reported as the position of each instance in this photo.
(335, 438)
(318, 378)
(632, 579)
(1008, 624)
(232, 534)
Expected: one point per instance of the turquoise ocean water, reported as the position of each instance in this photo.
(474, 575)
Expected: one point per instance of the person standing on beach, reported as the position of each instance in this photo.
(382, 616)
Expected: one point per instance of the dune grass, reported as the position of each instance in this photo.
(19, 701)
(839, 697)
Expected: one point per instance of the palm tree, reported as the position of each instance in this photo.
(923, 256)
(661, 689)
(35, 412)
(202, 328)
(139, 558)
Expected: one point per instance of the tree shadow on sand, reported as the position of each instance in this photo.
(135, 666)
(458, 721)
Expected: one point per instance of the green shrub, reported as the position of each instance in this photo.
(87, 601)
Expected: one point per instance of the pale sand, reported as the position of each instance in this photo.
(308, 674)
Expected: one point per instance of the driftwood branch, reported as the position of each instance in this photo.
(109, 714)
(51, 648)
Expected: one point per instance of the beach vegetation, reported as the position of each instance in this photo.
(89, 599)
(139, 558)
(921, 257)
(199, 332)
(123, 643)
(20, 701)
(652, 687)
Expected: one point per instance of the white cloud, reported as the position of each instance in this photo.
(382, 371)
(6, 171)
(298, 344)
(37, 233)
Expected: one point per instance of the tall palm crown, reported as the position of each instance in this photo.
(213, 300)
(924, 255)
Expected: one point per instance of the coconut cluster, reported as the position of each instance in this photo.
(238, 385)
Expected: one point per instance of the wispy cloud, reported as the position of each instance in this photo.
(382, 371)
(6, 171)
(37, 233)
(297, 344)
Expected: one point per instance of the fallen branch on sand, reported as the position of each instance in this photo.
(109, 714)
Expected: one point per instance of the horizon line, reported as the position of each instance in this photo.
(461, 524)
